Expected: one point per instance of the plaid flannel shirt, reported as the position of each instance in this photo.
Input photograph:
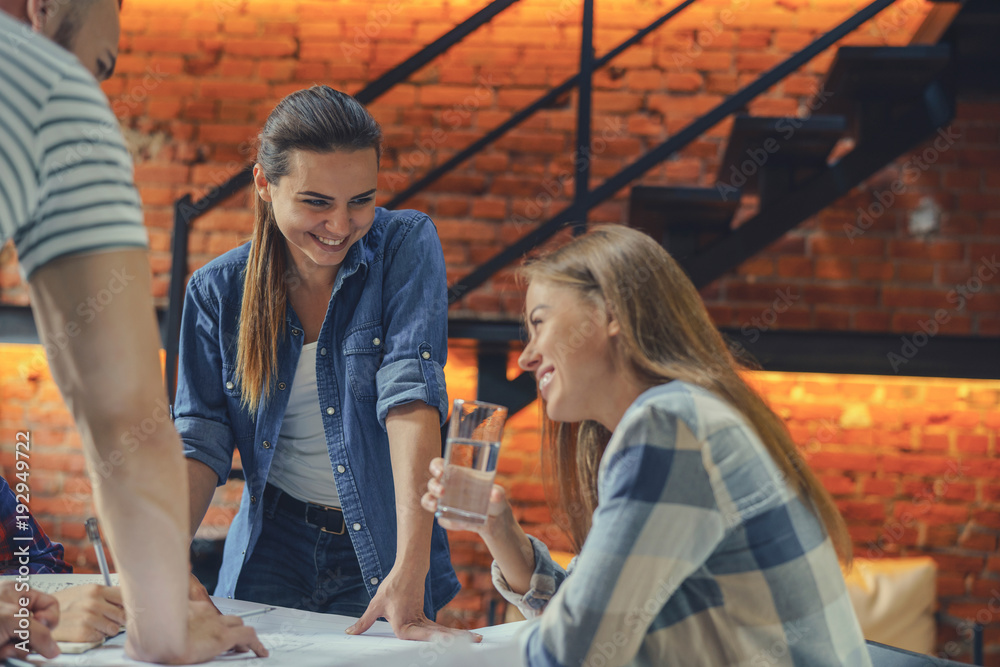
(43, 556)
(699, 554)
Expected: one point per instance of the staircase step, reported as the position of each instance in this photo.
(862, 74)
(681, 219)
(973, 37)
(788, 146)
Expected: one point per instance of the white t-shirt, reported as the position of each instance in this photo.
(66, 181)
(301, 466)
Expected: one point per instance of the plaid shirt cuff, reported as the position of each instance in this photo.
(545, 581)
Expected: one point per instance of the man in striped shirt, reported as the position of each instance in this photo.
(68, 201)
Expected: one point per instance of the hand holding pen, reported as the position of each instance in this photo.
(95, 538)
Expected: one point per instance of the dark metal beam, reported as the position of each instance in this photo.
(583, 151)
(911, 354)
(606, 190)
(186, 211)
(18, 326)
(776, 350)
(402, 72)
(546, 100)
(175, 293)
(810, 198)
(493, 385)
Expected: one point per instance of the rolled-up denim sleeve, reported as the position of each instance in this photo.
(200, 413)
(544, 582)
(415, 317)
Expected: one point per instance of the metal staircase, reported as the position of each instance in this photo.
(883, 101)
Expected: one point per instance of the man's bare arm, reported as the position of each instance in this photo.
(95, 316)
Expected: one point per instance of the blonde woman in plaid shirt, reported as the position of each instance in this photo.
(703, 538)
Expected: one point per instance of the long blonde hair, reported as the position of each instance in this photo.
(318, 119)
(666, 334)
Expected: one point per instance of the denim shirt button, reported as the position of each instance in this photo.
(253, 499)
(341, 469)
(281, 386)
(266, 445)
(330, 411)
(229, 385)
(322, 352)
(376, 342)
(356, 526)
(374, 581)
(296, 332)
(426, 355)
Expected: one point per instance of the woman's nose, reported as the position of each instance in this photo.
(529, 358)
(339, 221)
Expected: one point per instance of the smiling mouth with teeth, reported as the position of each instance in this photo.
(329, 242)
(544, 381)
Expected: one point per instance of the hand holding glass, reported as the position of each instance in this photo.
(471, 451)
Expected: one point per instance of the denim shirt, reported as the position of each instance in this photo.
(383, 344)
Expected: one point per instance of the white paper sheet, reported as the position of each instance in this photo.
(308, 639)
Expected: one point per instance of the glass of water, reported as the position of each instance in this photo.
(471, 451)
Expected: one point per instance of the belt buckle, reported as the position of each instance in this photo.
(343, 521)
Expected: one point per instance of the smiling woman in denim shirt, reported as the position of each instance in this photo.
(317, 350)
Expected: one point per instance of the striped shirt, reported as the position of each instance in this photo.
(699, 554)
(66, 183)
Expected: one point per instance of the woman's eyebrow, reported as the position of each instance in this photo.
(532, 313)
(310, 193)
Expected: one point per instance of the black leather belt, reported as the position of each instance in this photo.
(328, 519)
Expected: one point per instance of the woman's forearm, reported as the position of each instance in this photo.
(511, 549)
(414, 439)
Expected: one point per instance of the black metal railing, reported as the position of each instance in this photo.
(585, 198)
(187, 211)
(735, 102)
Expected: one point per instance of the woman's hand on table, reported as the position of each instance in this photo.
(400, 600)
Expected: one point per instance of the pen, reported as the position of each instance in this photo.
(95, 539)
(254, 612)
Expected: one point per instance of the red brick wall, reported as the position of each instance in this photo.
(195, 82)
(913, 463)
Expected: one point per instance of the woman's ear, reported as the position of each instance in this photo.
(614, 328)
(260, 183)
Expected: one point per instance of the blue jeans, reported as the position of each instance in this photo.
(297, 565)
